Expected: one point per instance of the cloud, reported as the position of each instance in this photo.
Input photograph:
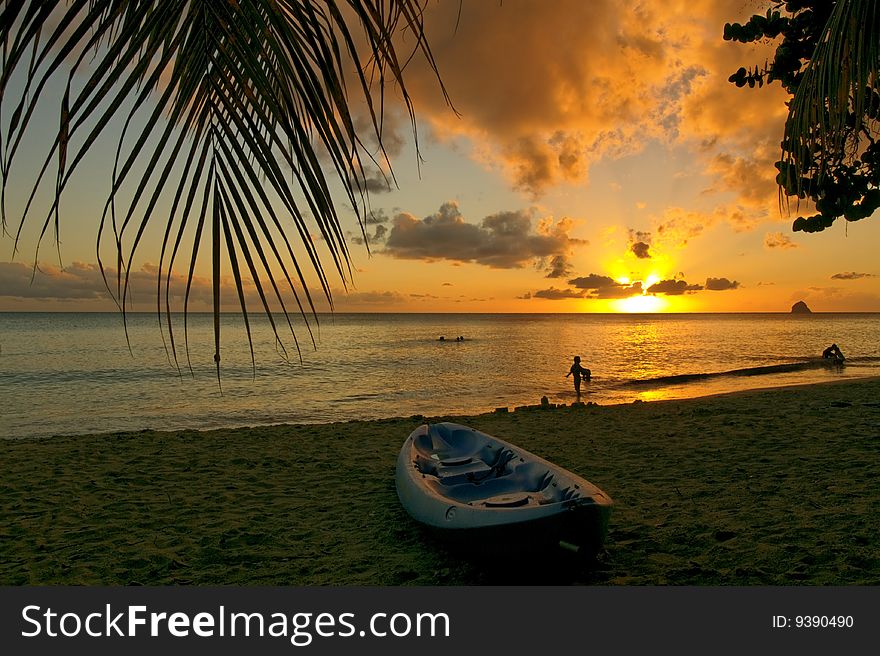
(79, 281)
(678, 226)
(721, 284)
(505, 240)
(374, 300)
(377, 219)
(82, 283)
(611, 84)
(618, 291)
(778, 240)
(554, 294)
(593, 281)
(559, 267)
(639, 244)
(640, 250)
(377, 183)
(852, 275)
(80, 286)
(672, 287)
(620, 76)
(605, 287)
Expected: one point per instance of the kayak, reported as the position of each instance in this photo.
(488, 495)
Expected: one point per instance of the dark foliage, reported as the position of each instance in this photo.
(827, 60)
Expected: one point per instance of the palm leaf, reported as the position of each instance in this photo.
(242, 100)
(840, 83)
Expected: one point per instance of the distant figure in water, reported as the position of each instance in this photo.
(459, 339)
(442, 339)
(580, 373)
(833, 352)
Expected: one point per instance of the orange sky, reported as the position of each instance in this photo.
(598, 150)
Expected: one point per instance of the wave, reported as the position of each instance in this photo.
(812, 363)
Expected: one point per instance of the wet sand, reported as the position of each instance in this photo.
(770, 487)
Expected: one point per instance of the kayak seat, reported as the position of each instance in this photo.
(444, 444)
(464, 472)
(451, 472)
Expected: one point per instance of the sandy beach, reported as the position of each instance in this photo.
(773, 487)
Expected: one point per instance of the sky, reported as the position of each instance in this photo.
(596, 160)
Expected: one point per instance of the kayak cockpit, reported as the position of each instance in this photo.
(468, 467)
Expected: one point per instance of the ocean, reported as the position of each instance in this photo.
(75, 373)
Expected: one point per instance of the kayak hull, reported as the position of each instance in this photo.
(485, 494)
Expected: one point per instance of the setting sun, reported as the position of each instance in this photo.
(641, 303)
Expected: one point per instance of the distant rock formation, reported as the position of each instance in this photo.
(800, 308)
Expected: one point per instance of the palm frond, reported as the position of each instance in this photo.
(837, 98)
(229, 108)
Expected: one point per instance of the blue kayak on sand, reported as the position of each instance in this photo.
(488, 494)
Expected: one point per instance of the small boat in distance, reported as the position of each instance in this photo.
(489, 495)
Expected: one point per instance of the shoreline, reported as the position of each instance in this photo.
(510, 409)
(756, 487)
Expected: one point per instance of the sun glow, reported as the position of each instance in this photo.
(653, 279)
(641, 303)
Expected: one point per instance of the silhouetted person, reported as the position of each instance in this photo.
(833, 352)
(579, 373)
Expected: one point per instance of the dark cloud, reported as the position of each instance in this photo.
(618, 291)
(556, 294)
(673, 287)
(374, 182)
(559, 267)
(605, 287)
(377, 183)
(376, 216)
(721, 284)
(640, 250)
(852, 275)
(640, 244)
(378, 219)
(593, 281)
(505, 240)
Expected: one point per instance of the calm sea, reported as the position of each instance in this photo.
(74, 373)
